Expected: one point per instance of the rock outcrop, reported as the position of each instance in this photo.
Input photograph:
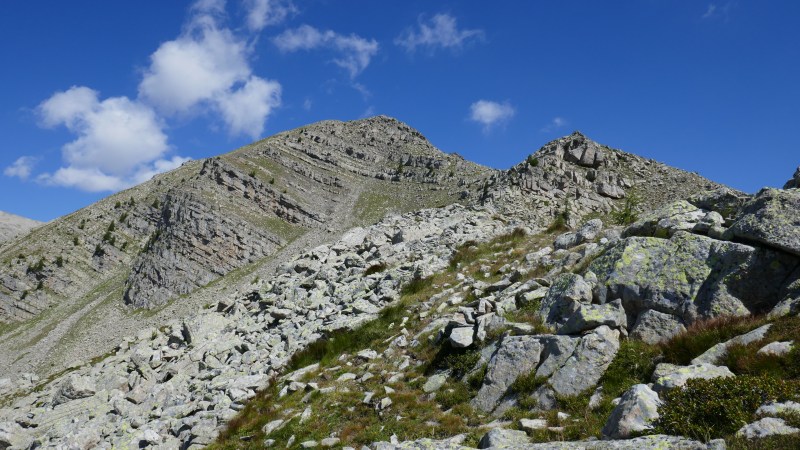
(12, 226)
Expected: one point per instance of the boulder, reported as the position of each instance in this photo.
(654, 327)
(692, 277)
(772, 218)
(794, 183)
(589, 317)
(564, 297)
(635, 413)
(73, 388)
(778, 408)
(664, 222)
(583, 369)
(590, 230)
(565, 241)
(768, 426)
(777, 348)
(461, 337)
(517, 355)
(670, 376)
(610, 190)
(502, 438)
(725, 201)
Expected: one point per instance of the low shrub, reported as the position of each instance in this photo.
(703, 335)
(715, 408)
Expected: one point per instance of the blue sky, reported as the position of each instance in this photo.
(96, 96)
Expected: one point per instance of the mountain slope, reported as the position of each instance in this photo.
(12, 226)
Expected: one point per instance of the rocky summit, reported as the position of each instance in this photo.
(348, 285)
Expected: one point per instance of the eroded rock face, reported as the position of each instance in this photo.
(772, 219)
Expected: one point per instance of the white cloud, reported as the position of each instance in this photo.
(718, 11)
(21, 168)
(207, 68)
(263, 13)
(354, 52)
(118, 140)
(555, 124)
(489, 113)
(307, 103)
(441, 31)
(245, 109)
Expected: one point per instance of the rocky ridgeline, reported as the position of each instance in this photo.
(177, 386)
(576, 176)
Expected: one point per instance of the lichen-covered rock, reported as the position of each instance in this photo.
(73, 388)
(776, 348)
(583, 369)
(654, 327)
(772, 218)
(670, 376)
(565, 296)
(589, 317)
(635, 413)
(725, 201)
(502, 438)
(517, 355)
(678, 216)
(692, 277)
(768, 426)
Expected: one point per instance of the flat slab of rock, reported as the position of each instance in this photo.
(777, 348)
(669, 376)
(772, 218)
(715, 354)
(587, 364)
(772, 409)
(502, 438)
(589, 317)
(768, 426)
(462, 337)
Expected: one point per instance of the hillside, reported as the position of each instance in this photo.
(12, 226)
(264, 297)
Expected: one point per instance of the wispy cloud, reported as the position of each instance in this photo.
(719, 11)
(553, 125)
(354, 53)
(263, 13)
(21, 168)
(440, 32)
(489, 113)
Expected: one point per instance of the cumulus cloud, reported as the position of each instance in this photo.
(354, 53)
(207, 68)
(118, 140)
(489, 113)
(21, 168)
(263, 13)
(555, 124)
(441, 31)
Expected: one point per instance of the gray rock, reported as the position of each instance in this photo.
(692, 276)
(502, 438)
(73, 388)
(635, 413)
(665, 222)
(565, 241)
(794, 183)
(777, 348)
(655, 327)
(609, 190)
(586, 365)
(768, 426)
(715, 354)
(669, 376)
(772, 218)
(589, 317)
(517, 355)
(13, 436)
(461, 337)
(272, 426)
(565, 296)
(434, 383)
(778, 408)
(590, 230)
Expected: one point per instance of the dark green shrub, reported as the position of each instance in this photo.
(76, 241)
(629, 212)
(710, 409)
(459, 361)
(252, 173)
(60, 261)
(375, 268)
(533, 161)
(633, 364)
(117, 205)
(98, 250)
(123, 217)
(528, 383)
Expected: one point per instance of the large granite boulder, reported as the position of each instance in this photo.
(655, 327)
(691, 276)
(772, 218)
(568, 292)
(517, 355)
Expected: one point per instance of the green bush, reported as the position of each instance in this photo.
(60, 261)
(528, 383)
(715, 408)
(629, 212)
(533, 161)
